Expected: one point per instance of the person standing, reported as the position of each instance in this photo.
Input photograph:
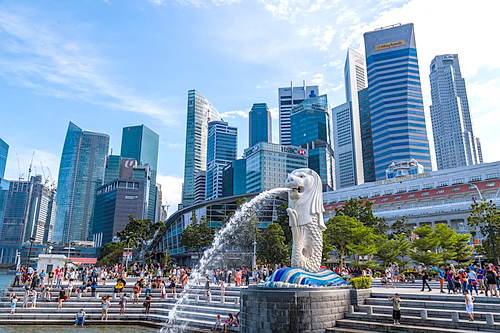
(472, 281)
(441, 279)
(388, 277)
(62, 297)
(469, 305)
(425, 277)
(123, 303)
(480, 279)
(396, 308)
(491, 280)
(147, 304)
(105, 307)
(17, 279)
(50, 279)
(137, 291)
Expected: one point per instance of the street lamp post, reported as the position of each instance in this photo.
(492, 236)
(32, 239)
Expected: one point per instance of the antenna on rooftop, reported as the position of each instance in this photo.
(19, 168)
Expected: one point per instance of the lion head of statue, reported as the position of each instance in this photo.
(306, 195)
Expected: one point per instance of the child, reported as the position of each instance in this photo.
(469, 304)
(396, 309)
(123, 303)
(217, 325)
(13, 303)
(34, 295)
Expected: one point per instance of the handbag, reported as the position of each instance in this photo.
(474, 282)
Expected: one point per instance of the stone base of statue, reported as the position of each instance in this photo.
(266, 310)
(296, 278)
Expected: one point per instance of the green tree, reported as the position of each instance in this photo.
(440, 245)
(327, 249)
(110, 254)
(138, 233)
(271, 247)
(282, 220)
(197, 237)
(393, 250)
(349, 236)
(362, 210)
(486, 216)
(400, 227)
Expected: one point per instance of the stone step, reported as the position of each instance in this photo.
(417, 321)
(436, 305)
(355, 326)
(415, 312)
(441, 298)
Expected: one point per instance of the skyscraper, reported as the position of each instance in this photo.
(260, 125)
(346, 124)
(4, 150)
(81, 172)
(288, 97)
(395, 96)
(199, 113)
(454, 139)
(222, 148)
(4, 184)
(141, 143)
(311, 129)
(27, 215)
(366, 135)
(119, 198)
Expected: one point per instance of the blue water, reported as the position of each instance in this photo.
(71, 328)
(5, 280)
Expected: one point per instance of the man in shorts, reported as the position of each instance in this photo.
(80, 317)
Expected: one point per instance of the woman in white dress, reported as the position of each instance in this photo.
(469, 305)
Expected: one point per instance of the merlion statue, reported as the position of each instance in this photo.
(305, 210)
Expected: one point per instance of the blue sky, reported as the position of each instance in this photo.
(109, 64)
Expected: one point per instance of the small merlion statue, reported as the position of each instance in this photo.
(305, 211)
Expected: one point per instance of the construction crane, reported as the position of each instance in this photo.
(31, 164)
(46, 180)
(19, 168)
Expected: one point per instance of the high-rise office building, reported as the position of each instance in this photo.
(27, 216)
(116, 200)
(366, 136)
(268, 165)
(141, 144)
(113, 166)
(199, 113)
(288, 97)
(81, 172)
(4, 184)
(396, 105)
(235, 178)
(260, 124)
(200, 186)
(454, 140)
(311, 128)
(479, 150)
(4, 150)
(347, 125)
(222, 149)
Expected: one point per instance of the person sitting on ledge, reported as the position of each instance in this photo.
(80, 317)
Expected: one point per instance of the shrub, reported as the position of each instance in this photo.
(361, 282)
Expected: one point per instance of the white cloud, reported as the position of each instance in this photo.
(171, 187)
(275, 112)
(43, 60)
(318, 79)
(233, 114)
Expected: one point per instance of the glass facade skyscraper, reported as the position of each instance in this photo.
(311, 128)
(454, 140)
(222, 148)
(4, 150)
(366, 135)
(288, 97)
(260, 125)
(395, 95)
(81, 172)
(346, 124)
(141, 144)
(199, 113)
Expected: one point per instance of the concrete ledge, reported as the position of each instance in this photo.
(269, 310)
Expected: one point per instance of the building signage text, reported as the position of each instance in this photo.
(292, 150)
(402, 178)
(389, 45)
